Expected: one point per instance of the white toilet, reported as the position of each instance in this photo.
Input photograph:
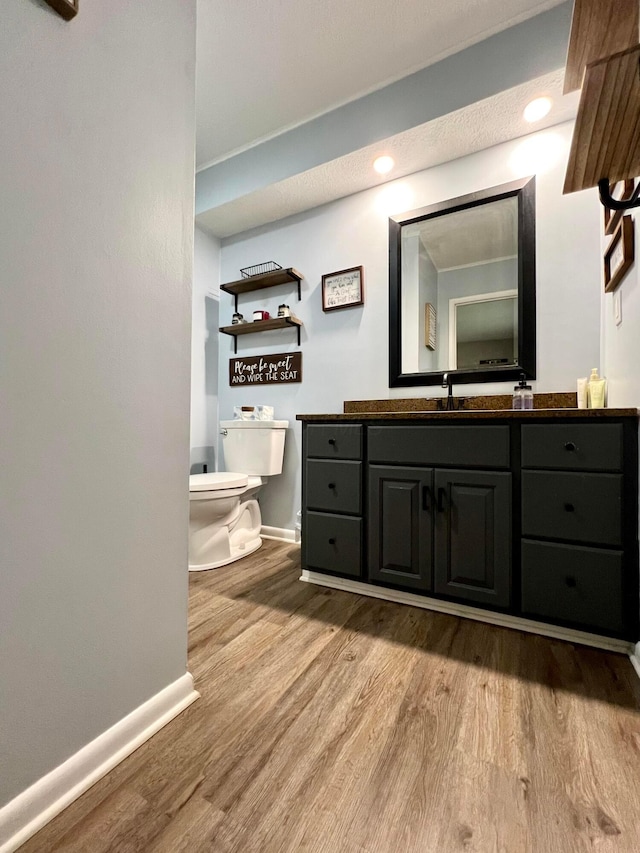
(224, 516)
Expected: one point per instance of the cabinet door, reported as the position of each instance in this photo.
(400, 525)
(473, 536)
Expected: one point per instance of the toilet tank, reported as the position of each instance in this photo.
(254, 447)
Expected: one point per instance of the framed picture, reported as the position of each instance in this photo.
(66, 8)
(619, 254)
(621, 192)
(343, 289)
(429, 325)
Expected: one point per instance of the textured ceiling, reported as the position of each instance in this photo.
(264, 67)
(473, 236)
(462, 132)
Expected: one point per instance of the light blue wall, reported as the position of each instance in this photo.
(204, 351)
(507, 59)
(96, 241)
(345, 352)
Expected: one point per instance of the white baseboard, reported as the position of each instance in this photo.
(634, 657)
(27, 813)
(282, 534)
(466, 611)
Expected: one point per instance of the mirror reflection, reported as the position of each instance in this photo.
(462, 288)
(483, 330)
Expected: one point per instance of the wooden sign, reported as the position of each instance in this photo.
(429, 325)
(277, 368)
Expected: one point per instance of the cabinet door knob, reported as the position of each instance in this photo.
(570, 446)
(569, 507)
(332, 541)
(441, 500)
(570, 581)
(332, 441)
(332, 485)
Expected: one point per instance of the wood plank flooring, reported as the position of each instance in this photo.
(334, 723)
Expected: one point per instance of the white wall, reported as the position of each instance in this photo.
(204, 350)
(620, 355)
(96, 231)
(345, 353)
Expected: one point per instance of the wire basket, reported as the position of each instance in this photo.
(260, 269)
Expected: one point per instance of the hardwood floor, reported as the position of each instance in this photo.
(334, 723)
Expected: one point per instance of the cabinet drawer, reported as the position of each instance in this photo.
(334, 486)
(579, 447)
(573, 584)
(459, 446)
(334, 441)
(333, 543)
(581, 507)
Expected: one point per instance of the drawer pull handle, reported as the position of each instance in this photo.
(332, 541)
(441, 500)
(332, 441)
(426, 494)
(570, 446)
(569, 507)
(570, 581)
(332, 485)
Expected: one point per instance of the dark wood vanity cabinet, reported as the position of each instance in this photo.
(532, 516)
(436, 528)
(473, 544)
(332, 520)
(579, 524)
(400, 526)
(447, 531)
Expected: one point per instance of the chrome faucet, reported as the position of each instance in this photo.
(447, 382)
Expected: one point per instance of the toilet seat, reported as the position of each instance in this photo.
(216, 481)
(221, 485)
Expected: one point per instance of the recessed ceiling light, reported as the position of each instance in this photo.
(383, 164)
(537, 109)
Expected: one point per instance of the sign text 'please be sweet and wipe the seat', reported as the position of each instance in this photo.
(278, 367)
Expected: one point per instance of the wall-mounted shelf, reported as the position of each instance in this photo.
(603, 60)
(259, 282)
(599, 28)
(260, 326)
(606, 137)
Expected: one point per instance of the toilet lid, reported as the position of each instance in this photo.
(217, 480)
(240, 424)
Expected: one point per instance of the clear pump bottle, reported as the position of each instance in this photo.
(522, 394)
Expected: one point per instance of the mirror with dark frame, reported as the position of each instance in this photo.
(462, 289)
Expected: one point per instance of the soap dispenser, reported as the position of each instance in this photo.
(596, 392)
(522, 394)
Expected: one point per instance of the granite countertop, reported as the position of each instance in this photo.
(555, 404)
(473, 414)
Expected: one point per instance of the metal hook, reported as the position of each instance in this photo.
(613, 203)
